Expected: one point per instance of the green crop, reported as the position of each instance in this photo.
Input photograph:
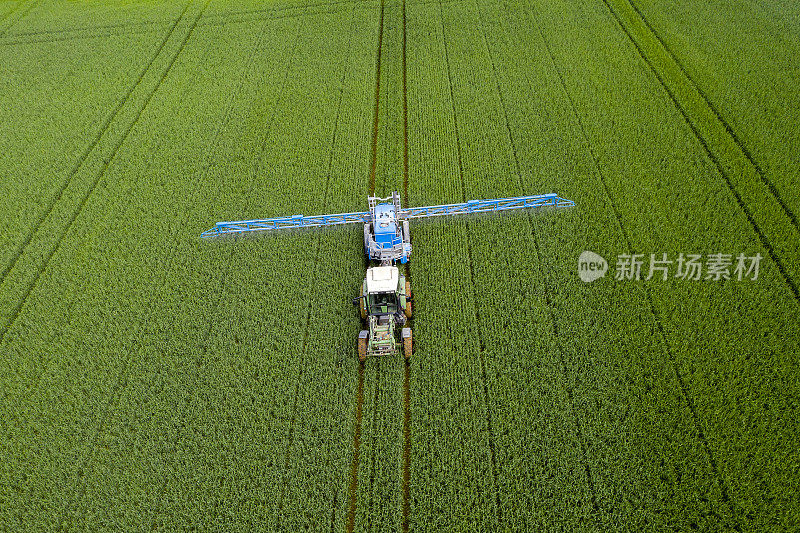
(151, 380)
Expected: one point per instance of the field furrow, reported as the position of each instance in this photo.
(60, 39)
(377, 502)
(450, 464)
(54, 16)
(508, 378)
(751, 99)
(53, 32)
(322, 413)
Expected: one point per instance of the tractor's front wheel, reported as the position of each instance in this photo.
(408, 310)
(407, 343)
(363, 343)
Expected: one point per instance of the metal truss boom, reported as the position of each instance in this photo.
(315, 221)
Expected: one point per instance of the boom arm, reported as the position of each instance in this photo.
(295, 221)
(315, 221)
(483, 206)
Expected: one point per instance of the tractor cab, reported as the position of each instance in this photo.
(381, 289)
(382, 302)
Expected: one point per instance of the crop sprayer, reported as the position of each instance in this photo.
(385, 301)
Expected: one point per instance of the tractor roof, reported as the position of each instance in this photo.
(382, 279)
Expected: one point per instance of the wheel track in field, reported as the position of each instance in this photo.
(339, 8)
(226, 18)
(679, 378)
(122, 377)
(353, 486)
(28, 7)
(55, 199)
(407, 441)
(228, 14)
(581, 437)
(352, 491)
(475, 306)
(225, 270)
(307, 326)
(682, 109)
(374, 153)
(406, 483)
(279, 14)
(71, 38)
(89, 28)
(728, 129)
(373, 445)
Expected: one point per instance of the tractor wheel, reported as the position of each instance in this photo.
(407, 310)
(407, 345)
(362, 348)
(363, 307)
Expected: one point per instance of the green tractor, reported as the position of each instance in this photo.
(385, 305)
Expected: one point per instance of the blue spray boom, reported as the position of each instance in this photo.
(386, 233)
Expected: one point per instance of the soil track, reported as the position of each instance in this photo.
(407, 369)
(353, 488)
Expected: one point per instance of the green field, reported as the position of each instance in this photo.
(151, 380)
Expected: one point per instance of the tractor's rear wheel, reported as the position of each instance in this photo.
(408, 310)
(407, 344)
(363, 342)
(363, 307)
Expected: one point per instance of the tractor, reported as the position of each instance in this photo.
(385, 305)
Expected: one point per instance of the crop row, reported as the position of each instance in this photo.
(157, 379)
(638, 379)
(379, 488)
(763, 204)
(669, 196)
(485, 377)
(38, 145)
(271, 405)
(749, 80)
(62, 205)
(83, 318)
(151, 379)
(52, 17)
